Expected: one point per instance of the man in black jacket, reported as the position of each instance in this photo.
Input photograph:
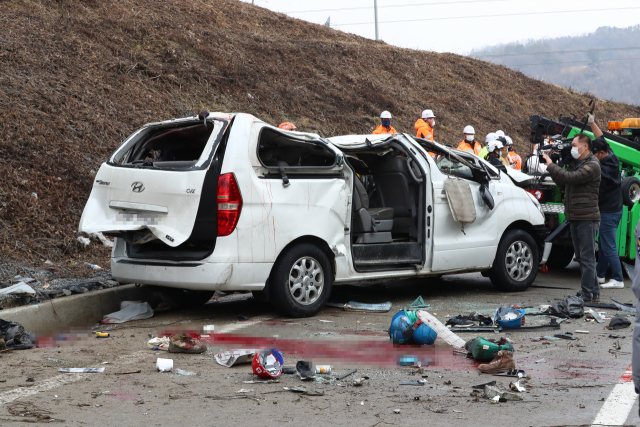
(610, 205)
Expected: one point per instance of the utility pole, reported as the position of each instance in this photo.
(375, 7)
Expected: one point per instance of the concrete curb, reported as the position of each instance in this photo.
(73, 311)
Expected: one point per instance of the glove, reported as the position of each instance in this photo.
(591, 118)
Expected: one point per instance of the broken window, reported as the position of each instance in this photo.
(278, 150)
(167, 146)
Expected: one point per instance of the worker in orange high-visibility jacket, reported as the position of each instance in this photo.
(424, 126)
(514, 158)
(385, 127)
(469, 143)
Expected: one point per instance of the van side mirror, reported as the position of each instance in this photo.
(487, 198)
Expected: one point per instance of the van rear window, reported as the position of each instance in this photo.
(175, 147)
(276, 149)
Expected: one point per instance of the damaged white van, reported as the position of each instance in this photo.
(227, 202)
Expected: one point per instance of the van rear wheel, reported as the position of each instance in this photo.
(301, 281)
(516, 264)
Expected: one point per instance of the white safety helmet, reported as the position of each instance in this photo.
(428, 114)
(509, 140)
(470, 130)
(500, 133)
(385, 115)
(490, 137)
(493, 145)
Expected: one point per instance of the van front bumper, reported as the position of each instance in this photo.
(193, 276)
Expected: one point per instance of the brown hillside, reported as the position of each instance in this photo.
(76, 77)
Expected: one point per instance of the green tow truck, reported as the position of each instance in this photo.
(556, 135)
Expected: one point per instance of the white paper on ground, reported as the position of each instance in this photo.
(235, 357)
(164, 365)
(18, 288)
(132, 312)
(161, 343)
(81, 370)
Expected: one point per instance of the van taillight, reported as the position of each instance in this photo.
(229, 204)
(537, 194)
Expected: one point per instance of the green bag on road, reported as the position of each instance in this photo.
(484, 350)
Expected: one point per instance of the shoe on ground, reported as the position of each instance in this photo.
(612, 284)
(588, 297)
(502, 363)
(184, 343)
(305, 371)
(601, 280)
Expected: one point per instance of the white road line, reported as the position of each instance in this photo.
(19, 393)
(616, 408)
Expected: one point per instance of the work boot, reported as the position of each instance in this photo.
(502, 363)
(184, 343)
(587, 297)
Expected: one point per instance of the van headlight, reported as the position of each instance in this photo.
(535, 202)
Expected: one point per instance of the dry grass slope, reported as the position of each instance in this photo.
(76, 77)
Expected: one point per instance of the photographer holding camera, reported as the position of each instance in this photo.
(582, 185)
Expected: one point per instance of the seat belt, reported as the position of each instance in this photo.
(285, 180)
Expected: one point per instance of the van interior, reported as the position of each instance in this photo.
(388, 208)
(277, 149)
(176, 146)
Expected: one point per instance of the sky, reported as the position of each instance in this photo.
(459, 26)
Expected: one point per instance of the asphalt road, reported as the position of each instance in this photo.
(571, 387)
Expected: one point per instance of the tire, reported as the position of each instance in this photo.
(519, 247)
(184, 298)
(560, 257)
(630, 191)
(309, 262)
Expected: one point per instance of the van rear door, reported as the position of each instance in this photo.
(160, 185)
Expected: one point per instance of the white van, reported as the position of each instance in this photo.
(227, 202)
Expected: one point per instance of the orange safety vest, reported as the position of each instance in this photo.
(464, 145)
(423, 130)
(382, 129)
(515, 159)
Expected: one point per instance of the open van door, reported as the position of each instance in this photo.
(160, 186)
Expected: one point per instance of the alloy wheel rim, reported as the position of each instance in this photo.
(519, 261)
(306, 280)
(634, 192)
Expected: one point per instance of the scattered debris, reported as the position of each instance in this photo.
(482, 386)
(581, 332)
(84, 241)
(345, 375)
(396, 411)
(18, 289)
(323, 369)
(14, 337)
(129, 310)
(571, 307)
(158, 343)
(624, 307)
(619, 323)
(419, 303)
(261, 382)
(81, 370)
(491, 392)
(164, 365)
(565, 336)
(130, 372)
(235, 357)
(245, 390)
(416, 382)
(442, 331)
(596, 316)
(616, 336)
(541, 361)
(181, 372)
(304, 391)
(186, 343)
(371, 308)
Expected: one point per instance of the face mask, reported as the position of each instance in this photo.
(575, 152)
(469, 138)
(386, 122)
(434, 123)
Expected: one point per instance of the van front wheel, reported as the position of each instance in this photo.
(301, 281)
(516, 264)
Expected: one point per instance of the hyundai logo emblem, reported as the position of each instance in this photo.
(137, 187)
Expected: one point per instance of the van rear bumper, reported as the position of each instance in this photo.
(194, 276)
